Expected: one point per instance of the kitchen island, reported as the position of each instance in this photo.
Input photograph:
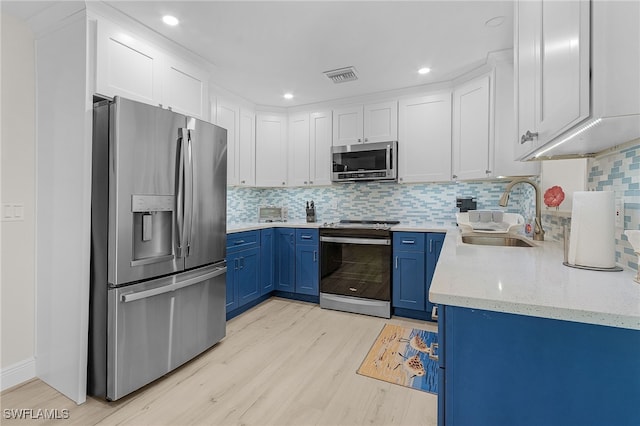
(525, 340)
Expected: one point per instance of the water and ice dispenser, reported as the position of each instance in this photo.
(152, 228)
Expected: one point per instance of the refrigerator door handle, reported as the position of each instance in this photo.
(188, 196)
(181, 214)
(130, 297)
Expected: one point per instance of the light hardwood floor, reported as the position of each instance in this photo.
(281, 363)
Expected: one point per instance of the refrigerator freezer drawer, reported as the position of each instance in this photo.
(159, 325)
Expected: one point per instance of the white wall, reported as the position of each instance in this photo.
(17, 256)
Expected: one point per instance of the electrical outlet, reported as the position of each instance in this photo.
(619, 213)
(334, 204)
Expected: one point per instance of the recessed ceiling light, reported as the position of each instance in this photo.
(495, 22)
(424, 70)
(170, 20)
(288, 96)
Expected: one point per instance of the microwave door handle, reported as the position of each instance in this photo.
(388, 156)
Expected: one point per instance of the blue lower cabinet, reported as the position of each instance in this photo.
(307, 271)
(267, 261)
(508, 369)
(415, 256)
(285, 259)
(409, 280)
(243, 267)
(248, 283)
(232, 290)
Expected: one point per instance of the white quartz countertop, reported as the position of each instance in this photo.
(409, 227)
(533, 281)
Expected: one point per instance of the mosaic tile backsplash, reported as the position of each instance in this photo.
(436, 202)
(416, 203)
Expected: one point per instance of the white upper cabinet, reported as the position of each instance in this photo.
(320, 148)
(552, 40)
(365, 123)
(226, 116)
(424, 139)
(271, 150)
(247, 148)
(184, 88)
(310, 149)
(299, 163)
(129, 66)
(126, 65)
(472, 127)
(348, 125)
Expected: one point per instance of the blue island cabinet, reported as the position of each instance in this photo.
(507, 369)
(267, 261)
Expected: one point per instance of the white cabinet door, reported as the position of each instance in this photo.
(348, 125)
(126, 65)
(320, 148)
(527, 15)
(471, 130)
(552, 44)
(247, 148)
(227, 117)
(381, 122)
(185, 88)
(563, 69)
(424, 139)
(271, 153)
(299, 159)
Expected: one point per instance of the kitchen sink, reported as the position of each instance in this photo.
(497, 240)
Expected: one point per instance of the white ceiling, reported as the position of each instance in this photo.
(260, 50)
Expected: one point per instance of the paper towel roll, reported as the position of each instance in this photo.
(592, 239)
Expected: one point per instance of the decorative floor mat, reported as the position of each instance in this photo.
(400, 355)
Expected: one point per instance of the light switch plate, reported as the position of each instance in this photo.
(619, 213)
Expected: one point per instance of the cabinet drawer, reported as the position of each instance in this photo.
(243, 240)
(408, 241)
(307, 236)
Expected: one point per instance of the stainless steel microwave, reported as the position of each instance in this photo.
(366, 161)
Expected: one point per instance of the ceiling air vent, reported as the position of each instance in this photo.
(342, 75)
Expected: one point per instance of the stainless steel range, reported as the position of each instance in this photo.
(356, 266)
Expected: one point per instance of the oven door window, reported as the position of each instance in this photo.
(358, 270)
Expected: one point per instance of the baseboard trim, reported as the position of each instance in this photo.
(17, 373)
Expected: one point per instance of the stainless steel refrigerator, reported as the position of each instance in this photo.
(158, 244)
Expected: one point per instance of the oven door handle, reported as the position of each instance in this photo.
(348, 240)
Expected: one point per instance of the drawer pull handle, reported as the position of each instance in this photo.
(408, 242)
(306, 237)
(239, 242)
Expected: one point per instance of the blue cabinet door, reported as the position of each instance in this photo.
(247, 281)
(507, 369)
(307, 271)
(232, 273)
(434, 247)
(267, 262)
(285, 259)
(409, 280)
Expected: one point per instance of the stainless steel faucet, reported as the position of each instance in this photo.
(538, 232)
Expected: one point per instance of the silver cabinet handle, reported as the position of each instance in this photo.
(408, 242)
(488, 172)
(366, 139)
(315, 256)
(130, 297)
(455, 176)
(396, 262)
(306, 237)
(239, 242)
(528, 137)
(242, 262)
(430, 246)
